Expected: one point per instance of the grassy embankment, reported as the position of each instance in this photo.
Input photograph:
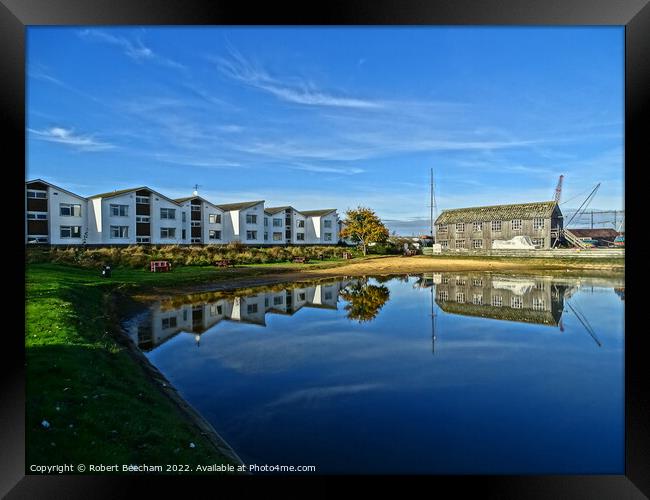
(100, 406)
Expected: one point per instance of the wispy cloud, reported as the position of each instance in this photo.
(294, 89)
(68, 137)
(133, 48)
(202, 161)
(327, 169)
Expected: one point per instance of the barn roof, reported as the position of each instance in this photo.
(608, 234)
(502, 313)
(497, 212)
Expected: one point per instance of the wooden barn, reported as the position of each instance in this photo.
(475, 228)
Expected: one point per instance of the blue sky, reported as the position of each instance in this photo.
(331, 117)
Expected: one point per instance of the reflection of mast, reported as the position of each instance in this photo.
(433, 323)
(583, 319)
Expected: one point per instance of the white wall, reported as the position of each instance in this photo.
(207, 227)
(56, 198)
(108, 220)
(158, 202)
(259, 226)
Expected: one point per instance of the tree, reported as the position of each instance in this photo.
(363, 225)
(364, 300)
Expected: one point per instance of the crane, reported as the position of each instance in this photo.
(558, 189)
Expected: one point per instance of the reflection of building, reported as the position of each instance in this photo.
(528, 300)
(163, 323)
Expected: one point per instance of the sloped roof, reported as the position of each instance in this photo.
(502, 313)
(497, 212)
(275, 210)
(239, 206)
(110, 194)
(317, 213)
(55, 187)
(595, 233)
(197, 197)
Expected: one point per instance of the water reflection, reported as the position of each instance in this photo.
(538, 300)
(528, 378)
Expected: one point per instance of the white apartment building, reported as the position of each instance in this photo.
(54, 215)
(141, 215)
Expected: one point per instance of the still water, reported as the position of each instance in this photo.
(437, 373)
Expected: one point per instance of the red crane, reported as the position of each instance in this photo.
(558, 189)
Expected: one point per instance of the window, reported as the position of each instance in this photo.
(460, 227)
(496, 225)
(443, 295)
(326, 223)
(477, 226)
(142, 239)
(538, 304)
(460, 297)
(196, 239)
(32, 193)
(266, 236)
(214, 218)
(69, 210)
(328, 295)
(70, 231)
(143, 200)
(251, 219)
(477, 282)
(167, 232)
(460, 282)
(497, 300)
(538, 223)
(213, 309)
(477, 243)
(169, 322)
(214, 235)
(516, 302)
(119, 210)
(266, 222)
(119, 231)
(460, 243)
(301, 236)
(251, 308)
(327, 236)
(300, 223)
(539, 285)
(196, 208)
(477, 299)
(445, 280)
(168, 213)
(183, 234)
(277, 222)
(144, 219)
(278, 300)
(195, 223)
(37, 215)
(516, 224)
(538, 242)
(183, 216)
(251, 235)
(442, 228)
(444, 244)
(37, 239)
(301, 296)
(277, 236)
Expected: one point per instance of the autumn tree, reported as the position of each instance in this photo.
(364, 300)
(363, 226)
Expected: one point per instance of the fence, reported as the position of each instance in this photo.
(587, 253)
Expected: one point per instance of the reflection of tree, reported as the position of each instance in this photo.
(364, 300)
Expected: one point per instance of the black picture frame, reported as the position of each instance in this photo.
(15, 15)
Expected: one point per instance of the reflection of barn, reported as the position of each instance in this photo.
(162, 323)
(528, 300)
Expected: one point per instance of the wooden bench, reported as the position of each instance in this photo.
(160, 266)
(225, 263)
(300, 260)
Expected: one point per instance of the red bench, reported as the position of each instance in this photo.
(160, 266)
(224, 263)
